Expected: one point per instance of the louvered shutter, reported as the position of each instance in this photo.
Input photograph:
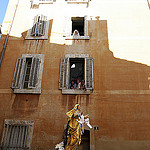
(33, 78)
(33, 30)
(17, 135)
(89, 81)
(19, 73)
(67, 29)
(85, 26)
(41, 28)
(64, 73)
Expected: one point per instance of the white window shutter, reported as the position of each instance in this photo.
(67, 29)
(64, 73)
(43, 18)
(33, 78)
(33, 30)
(41, 28)
(35, 19)
(19, 73)
(89, 80)
(85, 26)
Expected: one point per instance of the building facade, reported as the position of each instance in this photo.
(49, 43)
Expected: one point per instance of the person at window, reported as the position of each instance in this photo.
(72, 85)
(76, 33)
(78, 85)
(83, 87)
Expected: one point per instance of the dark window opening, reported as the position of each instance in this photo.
(78, 24)
(76, 69)
(27, 72)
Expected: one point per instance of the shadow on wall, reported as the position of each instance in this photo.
(110, 73)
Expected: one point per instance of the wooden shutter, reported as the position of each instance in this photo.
(89, 81)
(64, 73)
(19, 73)
(33, 30)
(33, 78)
(41, 28)
(85, 26)
(17, 135)
(67, 29)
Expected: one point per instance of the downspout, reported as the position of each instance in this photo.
(6, 40)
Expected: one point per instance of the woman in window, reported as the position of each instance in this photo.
(78, 85)
(83, 87)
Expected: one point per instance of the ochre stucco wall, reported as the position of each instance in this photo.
(119, 104)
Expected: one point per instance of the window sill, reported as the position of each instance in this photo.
(27, 91)
(77, 38)
(78, 92)
(77, 1)
(36, 38)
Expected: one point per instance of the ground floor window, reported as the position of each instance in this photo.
(17, 134)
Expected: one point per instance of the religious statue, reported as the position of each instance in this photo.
(74, 129)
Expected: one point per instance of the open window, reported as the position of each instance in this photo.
(39, 29)
(17, 134)
(28, 74)
(79, 24)
(73, 68)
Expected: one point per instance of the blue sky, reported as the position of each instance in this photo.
(3, 7)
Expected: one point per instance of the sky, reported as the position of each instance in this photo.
(3, 8)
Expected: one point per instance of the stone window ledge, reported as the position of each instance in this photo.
(27, 91)
(77, 38)
(77, 1)
(36, 38)
(78, 92)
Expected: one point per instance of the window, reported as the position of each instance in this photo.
(78, 24)
(17, 134)
(28, 74)
(73, 67)
(46, 1)
(39, 29)
(71, 24)
(37, 2)
(77, 1)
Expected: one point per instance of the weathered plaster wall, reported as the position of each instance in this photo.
(119, 104)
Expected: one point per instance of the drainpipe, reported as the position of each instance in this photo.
(6, 40)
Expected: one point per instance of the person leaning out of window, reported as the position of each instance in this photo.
(83, 87)
(79, 85)
(72, 85)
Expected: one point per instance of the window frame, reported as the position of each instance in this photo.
(34, 22)
(77, 1)
(46, 1)
(30, 89)
(64, 74)
(68, 28)
(25, 133)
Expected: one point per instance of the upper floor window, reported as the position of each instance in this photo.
(77, 1)
(46, 1)
(28, 74)
(37, 2)
(76, 67)
(39, 29)
(73, 24)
